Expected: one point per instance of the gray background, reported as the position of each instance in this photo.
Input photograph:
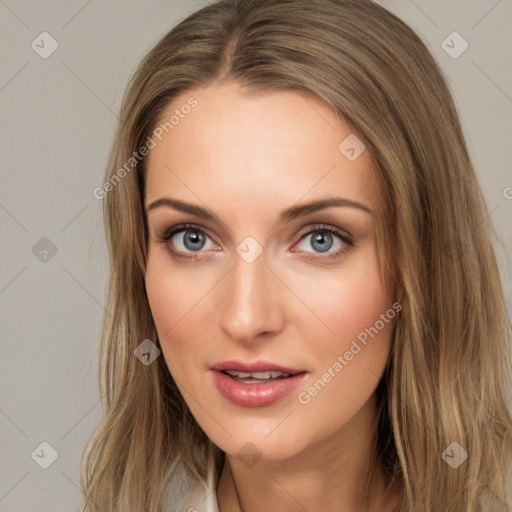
(58, 120)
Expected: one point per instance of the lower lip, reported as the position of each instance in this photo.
(255, 395)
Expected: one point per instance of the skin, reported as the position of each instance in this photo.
(247, 157)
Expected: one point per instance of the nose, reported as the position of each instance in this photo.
(250, 301)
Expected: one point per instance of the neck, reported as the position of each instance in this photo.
(329, 475)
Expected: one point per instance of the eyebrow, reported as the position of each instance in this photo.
(286, 215)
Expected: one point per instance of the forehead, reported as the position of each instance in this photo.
(255, 151)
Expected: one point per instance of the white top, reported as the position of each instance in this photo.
(201, 496)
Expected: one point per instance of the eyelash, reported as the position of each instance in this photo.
(168, 234)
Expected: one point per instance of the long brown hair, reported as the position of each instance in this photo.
(448, 377)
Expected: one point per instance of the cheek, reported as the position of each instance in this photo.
(352, 352)
(162, 300)
(179, 305)
(357, 307)
(345, 300)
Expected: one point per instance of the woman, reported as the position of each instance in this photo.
(305, 311)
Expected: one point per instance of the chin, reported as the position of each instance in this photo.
(253, 442)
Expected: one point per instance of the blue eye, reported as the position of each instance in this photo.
(323, 240)
(188, 240)
(188, 237)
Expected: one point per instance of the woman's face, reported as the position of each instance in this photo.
(250, 284)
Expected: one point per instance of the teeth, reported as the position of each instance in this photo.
(257, 375)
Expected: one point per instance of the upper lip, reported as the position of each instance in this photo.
(254, 366)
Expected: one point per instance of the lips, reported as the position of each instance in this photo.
(255, 392)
